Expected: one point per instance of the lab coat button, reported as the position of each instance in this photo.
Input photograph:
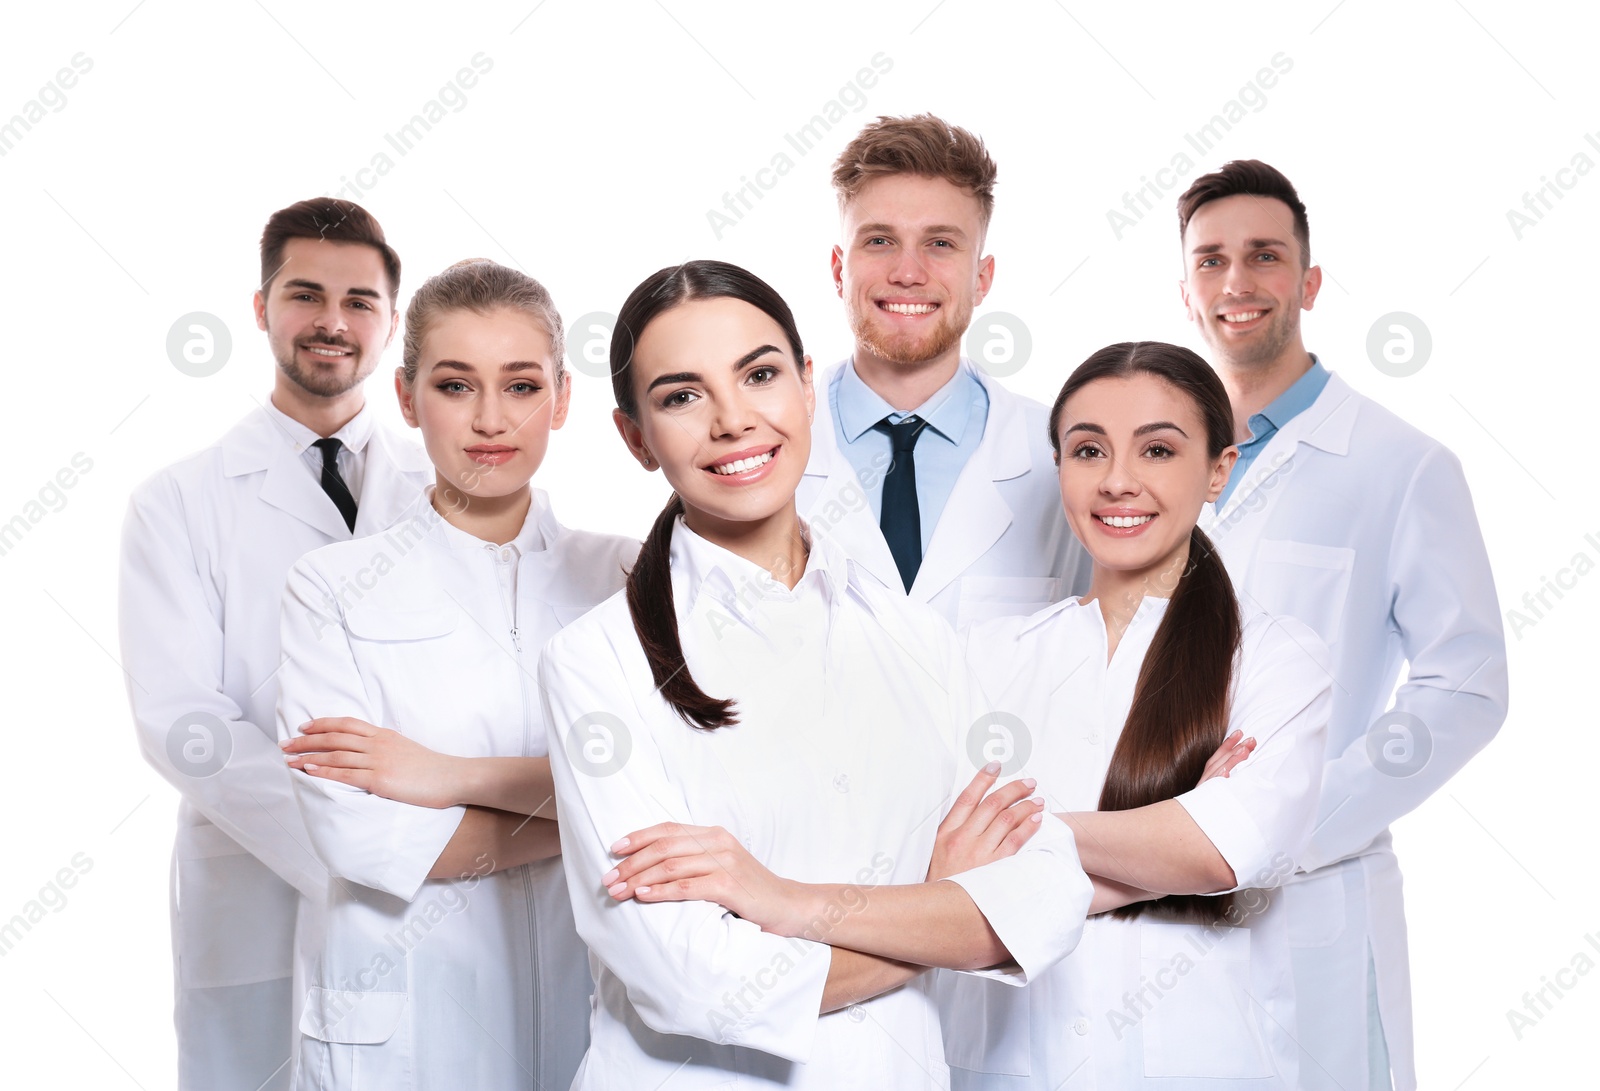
(1081, 1026)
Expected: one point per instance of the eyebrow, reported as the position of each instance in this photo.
(1142, 430)
(890, 229)
(298, 282)
(695, 377)
(512, 365)
(1250, 244)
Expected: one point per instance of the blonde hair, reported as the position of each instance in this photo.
(480, 285)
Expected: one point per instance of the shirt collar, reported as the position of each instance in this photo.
(705, 572)
(539, 528)
(1292, 402)
(947, 411)
(354, 435)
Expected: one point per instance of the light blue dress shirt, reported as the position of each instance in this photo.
(956, 414)
(1265, 424)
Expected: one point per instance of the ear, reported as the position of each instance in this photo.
(408, 406)
(558, 415)
(259, 303)
(1312, 285)
(806, 372)
(985, 277)
(837, 262)
(632, 435)
(1183, 294)
(394, 323)
(1220, 471)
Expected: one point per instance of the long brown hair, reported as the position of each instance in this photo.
(1179, 714)
(655, 616)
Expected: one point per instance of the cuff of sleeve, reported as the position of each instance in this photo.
(1035, 901)
(416, 839)
(1230, 828)
(785, 1022)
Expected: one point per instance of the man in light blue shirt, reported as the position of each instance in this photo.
(935, 478)
(1266, 423)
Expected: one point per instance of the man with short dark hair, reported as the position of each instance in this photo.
(1343, 516)
(933, 476)
(207, 547)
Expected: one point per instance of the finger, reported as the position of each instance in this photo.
(334, 759)
(998, 800)
(677, 869)
(347, 724)
(356, 778)
(1025, 829)
(971, 795)
(1008, 820)
(1240, 753)
(638, 839)
(327, 741)
(660, 851)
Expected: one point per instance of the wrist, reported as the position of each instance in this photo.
(461, 780)
(804, 910)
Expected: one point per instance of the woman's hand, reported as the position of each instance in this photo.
(384, 762)
(1233, 750)
(981, 829)
(672, 862)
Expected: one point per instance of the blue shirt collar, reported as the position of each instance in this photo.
(1291, 403)
(947, 411)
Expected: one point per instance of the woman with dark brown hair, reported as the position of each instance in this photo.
(755, 696)
(1119, 698)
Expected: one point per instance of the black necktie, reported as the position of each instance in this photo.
(900, 520)
(333, 484)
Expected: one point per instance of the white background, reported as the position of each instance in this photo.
(590, 155)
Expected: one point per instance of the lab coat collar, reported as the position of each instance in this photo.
(1326, 425)
(975, 515)
(1148, 606)
(259, 442)
(354, 435)
(703, 572)
(539, 528)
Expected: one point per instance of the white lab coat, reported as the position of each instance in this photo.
(1149, 1003)
(206, 546)
(415, 983)
(855, 707)
(1362, 527)
(1002, 545)
(418, 983)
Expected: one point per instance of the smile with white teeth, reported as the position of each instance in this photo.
(910, 308)
(327, 351)
(742, 465)
(1124, 520)
(1243, 316)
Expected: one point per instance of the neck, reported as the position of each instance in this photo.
(906, 386)
(324, 416)
(1121, 592)
(496, 519)
(774, 543)
(1251, 388)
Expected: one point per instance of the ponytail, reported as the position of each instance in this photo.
(655, 620)
(655, 616)
(1179, 714)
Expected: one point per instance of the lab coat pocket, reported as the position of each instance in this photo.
(352, 1016)
(988, 1025)
(401, 626)
(1303, 581)
(235, 915)
(984, 598)
(1202, 1020)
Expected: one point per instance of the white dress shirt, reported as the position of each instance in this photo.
(1149, 1003)
(352, 457)
(855, 709)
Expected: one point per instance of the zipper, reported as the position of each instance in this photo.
(508, 600)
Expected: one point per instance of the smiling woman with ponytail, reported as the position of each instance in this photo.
(1125, 696)
(752, 744)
